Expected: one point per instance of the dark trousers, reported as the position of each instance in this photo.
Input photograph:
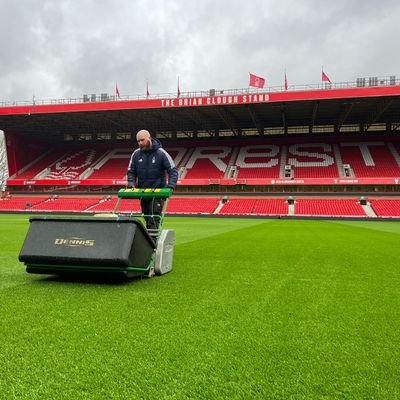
(152, 207)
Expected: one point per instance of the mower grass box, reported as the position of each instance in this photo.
(55, 245)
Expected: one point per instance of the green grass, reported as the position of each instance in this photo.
(253, 309)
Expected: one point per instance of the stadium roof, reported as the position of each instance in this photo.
(209, 112)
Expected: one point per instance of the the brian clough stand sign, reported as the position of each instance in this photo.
(215, 100)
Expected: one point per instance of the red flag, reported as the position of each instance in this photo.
(286, 82)
(179, 90)
(147, 89)
(325, 77)
(117, 91)
(256, 81)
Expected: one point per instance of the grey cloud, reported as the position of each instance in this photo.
(64, 48)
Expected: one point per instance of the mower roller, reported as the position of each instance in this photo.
(107, 244)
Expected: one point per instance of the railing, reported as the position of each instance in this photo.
(91, 98)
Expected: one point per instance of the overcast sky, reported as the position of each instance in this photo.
(64, 48)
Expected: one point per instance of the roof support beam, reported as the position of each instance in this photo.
(378, 110)
(395, 126)
(228, 120)
(256, 121)
(177, 116)
(133, 122)
(164, 124)
(284, 122)
(313, 116)
(196, 117)
(343, 116)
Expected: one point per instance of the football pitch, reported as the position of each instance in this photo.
(253, 309)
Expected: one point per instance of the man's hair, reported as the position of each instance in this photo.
(145, 132)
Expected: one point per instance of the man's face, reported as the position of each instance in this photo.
(144, 142)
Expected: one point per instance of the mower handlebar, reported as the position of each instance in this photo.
(135, 193)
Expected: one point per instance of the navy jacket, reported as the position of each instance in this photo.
(148, 169)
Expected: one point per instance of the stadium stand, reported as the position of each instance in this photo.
(329, 207)
(370, 159)
(312, 161)
(258, 161)
(129, 206)
(108, 205)
(192, 205)
(208, 162)
(67, 204)
(112, 169)
(271, 207)
(61, 164)
(241, 145)
(177, 205)
(238, 207)
(335, 207)
(386, 208)
(12, 203)
(255, 206)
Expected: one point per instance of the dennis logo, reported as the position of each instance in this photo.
(74, 242)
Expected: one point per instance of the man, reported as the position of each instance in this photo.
(148, 168)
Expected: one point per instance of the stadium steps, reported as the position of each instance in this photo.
(85, 174)
(369, 210)
(33, 163)
(339, 162)
(95, 205)
(220, 205)
(394, 152)
(186, 159)
(41, 202)
(232, 162)
(283, 162)
(182, 172)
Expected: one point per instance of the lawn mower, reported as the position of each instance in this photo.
(113, 243)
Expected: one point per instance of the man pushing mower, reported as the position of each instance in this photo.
(148, 168)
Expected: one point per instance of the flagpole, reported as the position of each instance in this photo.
(286, 82)
(325, 78)
(117, 95)
(322, 74)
